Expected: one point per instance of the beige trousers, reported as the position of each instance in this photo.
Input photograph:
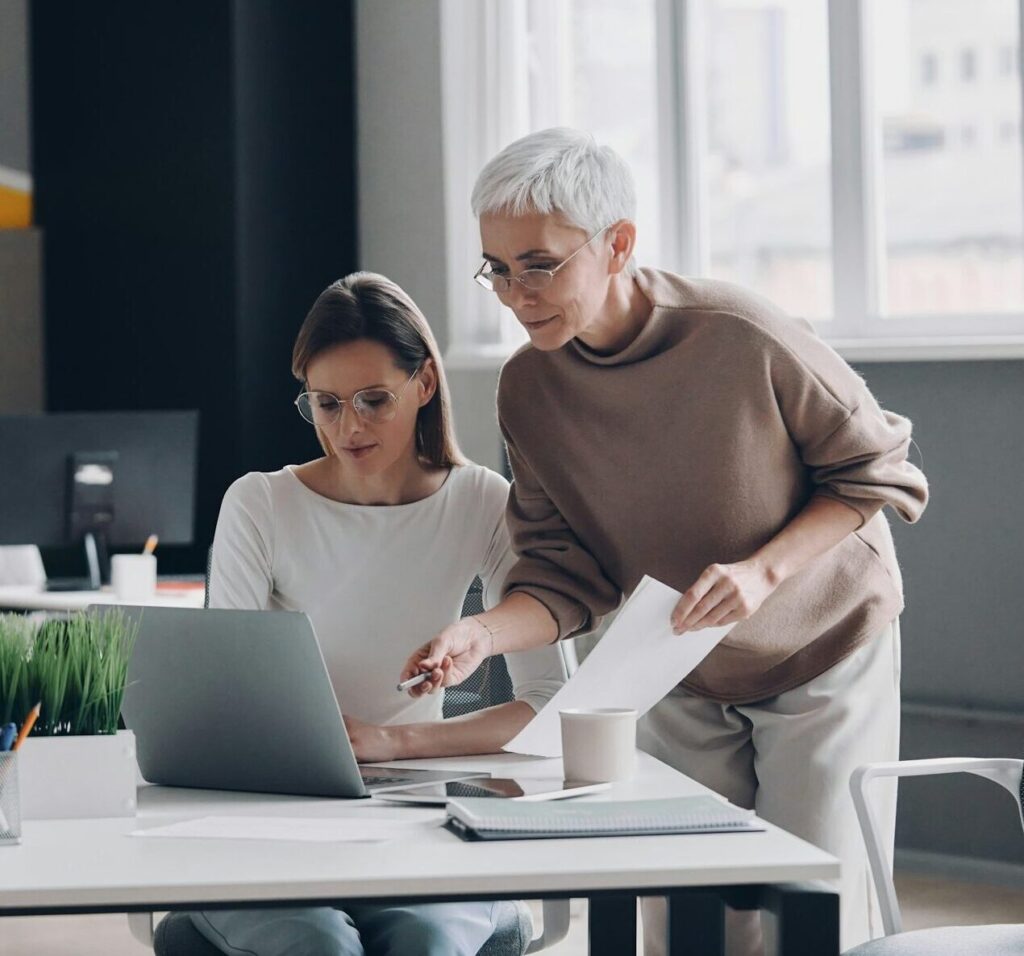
(790, 758)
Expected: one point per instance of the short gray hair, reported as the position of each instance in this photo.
(558, 170)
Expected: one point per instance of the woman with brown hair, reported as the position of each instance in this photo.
(378, 542)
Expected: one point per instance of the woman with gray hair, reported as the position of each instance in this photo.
(688, 429)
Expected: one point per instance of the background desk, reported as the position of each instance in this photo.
(29, 598)
(76, 866)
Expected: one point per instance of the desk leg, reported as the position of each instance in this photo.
(612, 925)
(696, 924)
(801, 919)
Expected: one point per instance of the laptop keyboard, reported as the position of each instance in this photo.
(374, 780)
(456, 789)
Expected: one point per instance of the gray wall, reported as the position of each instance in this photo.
(21, 332)
(401, 201)
(14, 137)
(963, 628)
(21, 321)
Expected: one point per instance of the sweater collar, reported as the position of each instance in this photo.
(663, 291)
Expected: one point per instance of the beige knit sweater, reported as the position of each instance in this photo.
(695, 444)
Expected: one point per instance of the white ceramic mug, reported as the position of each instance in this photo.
(599, 744)
(133, 576)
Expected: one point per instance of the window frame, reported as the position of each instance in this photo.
(477, 34)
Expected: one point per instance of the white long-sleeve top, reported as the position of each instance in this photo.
(376, 581)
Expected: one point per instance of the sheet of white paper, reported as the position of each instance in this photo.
(328, 830)
(636, 663)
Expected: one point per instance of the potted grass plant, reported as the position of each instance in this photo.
(75, 763)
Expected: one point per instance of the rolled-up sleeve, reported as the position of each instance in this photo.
(855, 451)
(553, 566)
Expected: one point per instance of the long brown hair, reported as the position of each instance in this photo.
(365, 305)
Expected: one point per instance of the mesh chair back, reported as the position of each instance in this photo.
(209, 566)
(490, 684)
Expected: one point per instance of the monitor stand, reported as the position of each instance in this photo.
(90, 497)
(97, 560)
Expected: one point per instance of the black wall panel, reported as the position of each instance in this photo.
(194, 169)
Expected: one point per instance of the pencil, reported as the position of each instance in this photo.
(26, 727)
(150, 546)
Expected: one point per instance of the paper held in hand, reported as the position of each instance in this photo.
(636, 663)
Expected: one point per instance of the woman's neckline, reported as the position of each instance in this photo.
(440, 490)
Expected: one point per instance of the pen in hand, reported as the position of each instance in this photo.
(413, 682)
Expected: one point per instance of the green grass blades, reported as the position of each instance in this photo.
(76, 666)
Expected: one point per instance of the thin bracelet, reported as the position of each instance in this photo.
(490, 633)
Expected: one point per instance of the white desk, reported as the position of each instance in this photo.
(29, 598)
(65, 866)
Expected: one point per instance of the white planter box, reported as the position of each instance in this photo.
(65, 777)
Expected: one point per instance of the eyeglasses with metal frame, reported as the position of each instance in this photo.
(373, 405)
(534, 280)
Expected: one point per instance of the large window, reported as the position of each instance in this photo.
(768, 154)
(953, 210)
(856, 161)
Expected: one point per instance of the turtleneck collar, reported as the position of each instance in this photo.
(656, 334)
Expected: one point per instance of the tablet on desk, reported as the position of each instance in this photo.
(524, 789)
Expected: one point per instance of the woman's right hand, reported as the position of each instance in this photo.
(450, 657)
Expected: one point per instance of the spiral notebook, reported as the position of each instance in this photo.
(477, 818)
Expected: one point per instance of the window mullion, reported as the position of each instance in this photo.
(551, 66)
(681, 114)
(856, 225)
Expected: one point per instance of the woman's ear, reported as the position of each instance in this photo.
(427, 381)
(623, 242)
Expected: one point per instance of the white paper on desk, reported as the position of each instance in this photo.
(636, 663)
(307, 829)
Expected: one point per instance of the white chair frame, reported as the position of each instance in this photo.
(1005, 771)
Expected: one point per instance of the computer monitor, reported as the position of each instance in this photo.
(100, 479)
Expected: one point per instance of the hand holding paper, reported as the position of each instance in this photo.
(636, 663)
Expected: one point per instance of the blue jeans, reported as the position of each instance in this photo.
(431, 929)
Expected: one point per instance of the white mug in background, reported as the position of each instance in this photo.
(599, 744)
(133, 576)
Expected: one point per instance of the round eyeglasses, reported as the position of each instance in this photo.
(534, 280)
(373, 405)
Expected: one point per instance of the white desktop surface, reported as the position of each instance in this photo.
(20, 597)
(69, 864)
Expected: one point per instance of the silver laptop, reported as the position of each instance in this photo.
(241, 700)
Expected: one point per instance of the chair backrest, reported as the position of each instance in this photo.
(1007, 772)
(490, 684)
(209, 565)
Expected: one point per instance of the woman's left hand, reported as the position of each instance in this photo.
(371, 743)
(723, 594)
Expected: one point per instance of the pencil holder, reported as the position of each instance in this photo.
(10, 799)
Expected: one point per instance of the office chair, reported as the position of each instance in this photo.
(176, 935)
(941, 941)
